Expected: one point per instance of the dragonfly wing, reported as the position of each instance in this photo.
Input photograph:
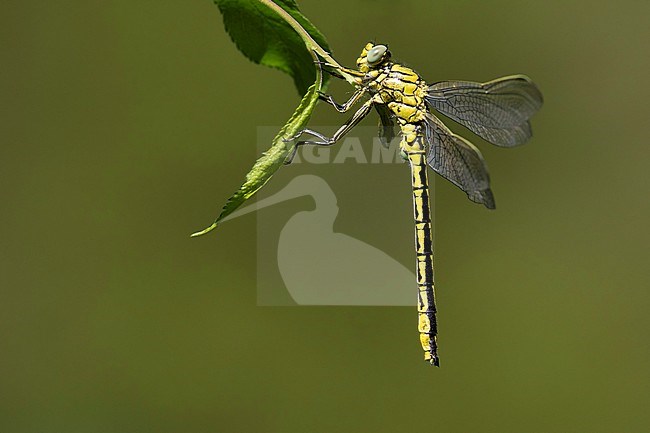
(497, 111)
(458, 161)
(386, 124)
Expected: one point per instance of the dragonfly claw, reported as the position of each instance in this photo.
(293, 137)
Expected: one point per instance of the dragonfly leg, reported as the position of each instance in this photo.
(342, 108)
(338, 71)
(328, 141)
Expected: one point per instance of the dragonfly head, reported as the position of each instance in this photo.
(372, 57)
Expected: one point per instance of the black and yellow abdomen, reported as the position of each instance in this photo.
(413, 145)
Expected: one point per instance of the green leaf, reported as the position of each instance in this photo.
(272, 159)
(265, 38)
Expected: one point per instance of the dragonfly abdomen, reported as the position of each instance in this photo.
(427, 326)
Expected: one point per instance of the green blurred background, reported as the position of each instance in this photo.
(125, 126)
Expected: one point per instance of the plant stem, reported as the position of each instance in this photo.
(311, 44)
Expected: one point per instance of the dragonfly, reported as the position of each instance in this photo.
(497, 111)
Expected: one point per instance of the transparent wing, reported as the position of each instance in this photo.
(458, 161)
(497, 111)
(386, 124)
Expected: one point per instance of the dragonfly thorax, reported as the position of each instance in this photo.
(398, 87)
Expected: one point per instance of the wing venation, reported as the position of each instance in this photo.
(497, 111)
(458, 161)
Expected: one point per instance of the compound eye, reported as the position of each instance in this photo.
(376, 54)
